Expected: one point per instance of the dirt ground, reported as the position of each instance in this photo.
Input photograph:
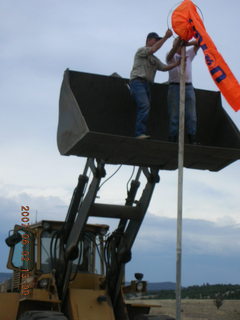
(196, 309)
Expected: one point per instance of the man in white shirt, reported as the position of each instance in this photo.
(174, 91)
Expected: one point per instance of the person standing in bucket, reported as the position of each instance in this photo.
(174, 91)
(142, 75)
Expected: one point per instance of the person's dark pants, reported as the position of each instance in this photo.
(140, 91)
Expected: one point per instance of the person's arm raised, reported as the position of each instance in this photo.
(174, 49)
(160, 42)
(193, 43)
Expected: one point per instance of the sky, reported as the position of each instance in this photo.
(39, 40)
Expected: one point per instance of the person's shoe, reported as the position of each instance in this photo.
(192, 139)
(172, 139)
(143, 136)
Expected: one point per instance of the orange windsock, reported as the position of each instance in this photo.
(187, 23)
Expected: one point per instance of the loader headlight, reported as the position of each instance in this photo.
(43, 283)
(139, 286)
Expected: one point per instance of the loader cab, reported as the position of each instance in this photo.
(89, 256)
(38, 248)
(21, 243)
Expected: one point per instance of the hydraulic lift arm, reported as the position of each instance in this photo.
(126, 234)
(75, 221)
(119, 243)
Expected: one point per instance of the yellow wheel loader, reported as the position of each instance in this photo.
(74, 270)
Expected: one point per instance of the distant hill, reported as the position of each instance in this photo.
(157, 286)
(4, 276)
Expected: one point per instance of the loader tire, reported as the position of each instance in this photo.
(42, 315)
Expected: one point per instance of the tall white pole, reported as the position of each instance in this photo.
(180, 185)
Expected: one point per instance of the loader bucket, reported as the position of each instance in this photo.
(97, 119)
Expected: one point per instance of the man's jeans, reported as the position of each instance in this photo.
(173, 109)
(140, 91)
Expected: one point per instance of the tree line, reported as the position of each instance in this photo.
(205, 291)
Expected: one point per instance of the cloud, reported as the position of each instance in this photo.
(41, 207)
(199, 236)
(210, 253)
